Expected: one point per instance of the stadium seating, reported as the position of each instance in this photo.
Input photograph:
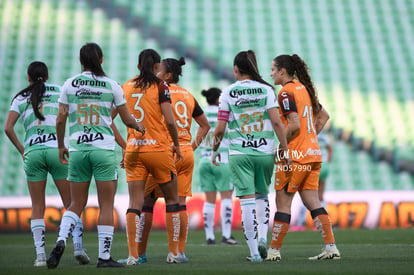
(360, 53)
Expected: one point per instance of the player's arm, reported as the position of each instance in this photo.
(118, 137)
(166, 110)
(293, 125)
(128, 120)
(202, 121)
(321, 120)
(289, 109)
(278, 127)
(11, 134)
(60, 132)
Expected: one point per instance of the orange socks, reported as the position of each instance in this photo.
(323, 224)
(145, 229)
(279, 229)
(183, 228)
(132, 226)
(172, 220)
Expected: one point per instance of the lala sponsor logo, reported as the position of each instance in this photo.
(254, 143)
(42, 138)
(87, 136)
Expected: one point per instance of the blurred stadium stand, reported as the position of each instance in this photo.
(360, 54)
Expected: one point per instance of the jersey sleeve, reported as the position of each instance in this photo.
(197, 110)
(287, 102)
(119, 98)
(164, 93)
(15, 105)
(224, 108)
(63, 98)
(271, 100)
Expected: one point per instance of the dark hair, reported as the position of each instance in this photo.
(211, 95)
(146, 61)
(173, 66)
(90, 55)
(247, 64)
(38, 73)
(294, 65)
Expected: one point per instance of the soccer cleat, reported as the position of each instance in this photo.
(142, 259)
(108, 263)
(182, 258)
(131, 260)
(273, 255)
(328, 253)
(230, 240)
(262, 248)
(81, 256)
(254, 259)
(56, 254)
(211, 241)
(172, 259)
(40, 261)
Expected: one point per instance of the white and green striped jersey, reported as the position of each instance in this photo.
(90, 99)
(39, 134)
(206, 147)
(250, 130)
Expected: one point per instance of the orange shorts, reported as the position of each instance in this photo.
(152, 188)
(184, 177)
(185, 169)
(159, 164)
(297, 177)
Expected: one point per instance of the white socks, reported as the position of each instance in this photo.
(248, 209)
(77, 235)
(68, 223)
(208, 214)
(262, 216)
(105, 236)
(226, 217)
(38, 231)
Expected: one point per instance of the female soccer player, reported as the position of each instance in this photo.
(249, 107)
(37, 105)
(185, 107)
(299, 106)
(215, 179)
(87, 99)
(148, 99)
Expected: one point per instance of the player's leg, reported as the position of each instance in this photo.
(59, 172)
(207, 184)
(34, 167)
(310, 198)
(244, 175)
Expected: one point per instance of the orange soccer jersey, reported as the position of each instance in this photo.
(304, 147)
(185, 107)
(145, 106)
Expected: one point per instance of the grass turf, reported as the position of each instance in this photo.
(362, 251)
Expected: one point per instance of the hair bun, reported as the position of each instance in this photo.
(181, 61)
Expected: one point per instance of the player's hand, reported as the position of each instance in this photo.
(177, 153)
(63, 155)
(214, 156)
(140, 128)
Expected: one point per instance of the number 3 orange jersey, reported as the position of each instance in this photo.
(145, 106)
(304, 147)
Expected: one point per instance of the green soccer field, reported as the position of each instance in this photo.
(363, 251)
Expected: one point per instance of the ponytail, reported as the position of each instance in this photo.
(90, 57)
(302, 72)
(247, 64)
(294, 65)
(38, 74)
(146, 61)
